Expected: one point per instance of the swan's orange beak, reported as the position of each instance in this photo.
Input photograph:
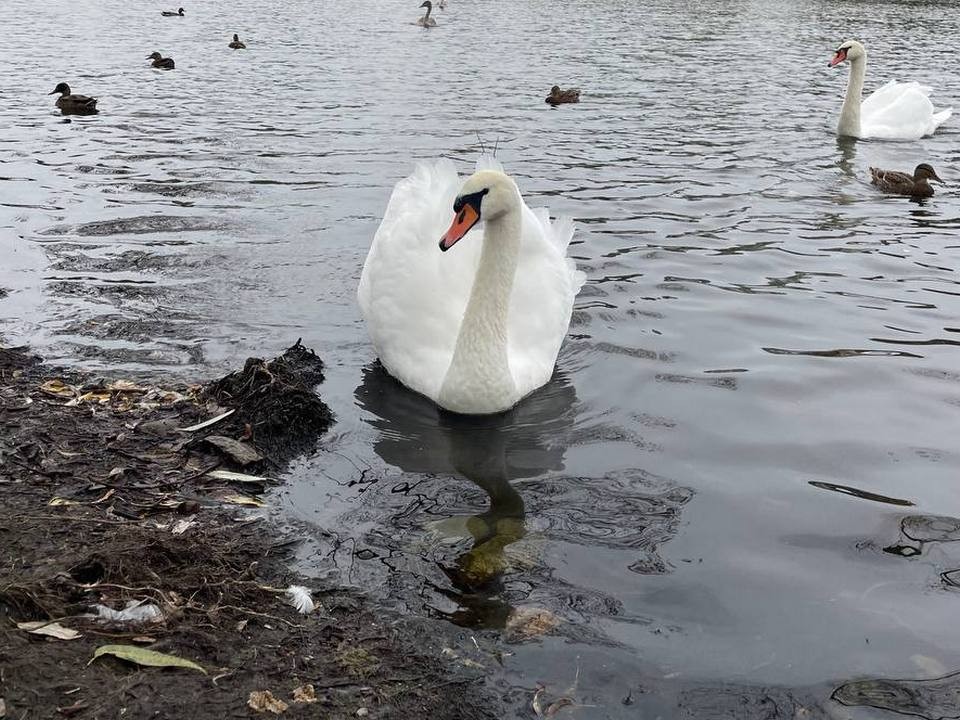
(838, 57)
(462, 222)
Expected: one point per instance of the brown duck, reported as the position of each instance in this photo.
(236, 44)
(901, 183)
(558, 96)
(70, 104)
(159, 61)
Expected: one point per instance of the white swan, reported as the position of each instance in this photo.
(479, 327)
(427, 21)
(897, 111)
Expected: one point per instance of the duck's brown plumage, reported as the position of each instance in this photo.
(71, 104)
(901, 183)
(558, 96)
(159, 61)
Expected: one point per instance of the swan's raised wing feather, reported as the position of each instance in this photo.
(542, 299)
(413, 296)
(900, 111)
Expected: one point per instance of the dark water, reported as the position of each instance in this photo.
(726, 493)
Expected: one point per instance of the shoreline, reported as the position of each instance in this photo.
(109, 502)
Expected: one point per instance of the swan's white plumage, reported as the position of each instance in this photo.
(413, 296)
(900, 111)
(897, 111)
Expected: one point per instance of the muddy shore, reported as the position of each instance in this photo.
(107, 501)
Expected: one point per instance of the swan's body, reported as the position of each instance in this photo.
(479, 327)
(897, 111)
(901, 183)
(235, 44)
(427, 21)
(159, 61)
(71, 104)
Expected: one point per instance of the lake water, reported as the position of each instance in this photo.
(725, 492)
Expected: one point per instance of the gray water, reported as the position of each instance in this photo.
(760, 388)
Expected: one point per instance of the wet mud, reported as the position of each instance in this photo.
(108, 501)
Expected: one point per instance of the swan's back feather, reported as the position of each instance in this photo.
(900, 111)
(413, 296)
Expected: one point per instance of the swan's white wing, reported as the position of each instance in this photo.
(900, 111)
(544, 288)
(413, 296)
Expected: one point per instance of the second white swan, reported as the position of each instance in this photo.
(476, 324)
(897, 111)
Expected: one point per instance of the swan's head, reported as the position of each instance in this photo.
(925, 171)
(427, 4)
(850, 50)
(487, 194)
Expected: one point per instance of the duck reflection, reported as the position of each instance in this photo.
(490, 451)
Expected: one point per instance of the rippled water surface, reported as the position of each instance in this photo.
(725, 493)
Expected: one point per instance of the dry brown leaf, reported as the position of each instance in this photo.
(526, 623)
(557, 705)
(264, 701)
(57, 388)
(243, 500)
(54, 501)
(51, 629)
(126, 386)
(97, 396)
(304, 694)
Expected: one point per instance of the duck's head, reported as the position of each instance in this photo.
(179, 11)
(487, 194)
(925, 171)
(850, 50)
(154, 56)
(60, 89)
(235, 38)
(555, 90)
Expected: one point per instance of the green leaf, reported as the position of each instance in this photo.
(142, 656)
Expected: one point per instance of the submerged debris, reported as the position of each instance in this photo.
(934, 699)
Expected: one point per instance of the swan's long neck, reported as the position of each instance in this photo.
(480, 367)
(849, 124)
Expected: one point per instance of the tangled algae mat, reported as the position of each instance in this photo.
(110, 504)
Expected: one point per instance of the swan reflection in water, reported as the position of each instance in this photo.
(490, 451)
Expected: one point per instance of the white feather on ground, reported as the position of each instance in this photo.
(300, 598)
